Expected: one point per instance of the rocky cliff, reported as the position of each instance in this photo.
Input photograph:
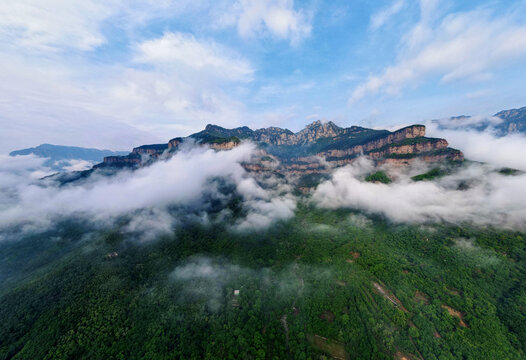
(513, 121)
(318, 148)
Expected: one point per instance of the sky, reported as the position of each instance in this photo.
(120, 73)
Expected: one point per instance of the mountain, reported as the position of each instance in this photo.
(502, 123)
(316, 149)
(309, 155)
(60, 156)
(60, 152)
(513, 121)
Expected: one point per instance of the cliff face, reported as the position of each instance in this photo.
(227, 145)
(275, 136)
(399, 147)
(174, 143)
(316, 149)
(513, 121)
(311, 133)
(154, 150)
(131, 160)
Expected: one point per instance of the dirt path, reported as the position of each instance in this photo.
(389, 296)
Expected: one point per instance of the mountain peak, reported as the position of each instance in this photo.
(314, 124)
(317, 130)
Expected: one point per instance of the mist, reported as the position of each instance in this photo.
(212, 280)
(475, 193)
(486, 146)
(154, 199)
(147, 195)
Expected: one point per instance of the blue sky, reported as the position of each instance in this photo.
(118, 73)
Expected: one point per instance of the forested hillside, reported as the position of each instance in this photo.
(324, 284)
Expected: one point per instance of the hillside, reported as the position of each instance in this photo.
(326, 284)
(285, 152)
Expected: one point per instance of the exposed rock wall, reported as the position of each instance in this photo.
(343, 146)
(229, 145)
(174, 143)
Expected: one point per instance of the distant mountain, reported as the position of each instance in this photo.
(513, 121)
(62, 156)
(502, 123)
(315, 150)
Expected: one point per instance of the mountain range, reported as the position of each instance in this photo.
(59, 156)
(318, 148)
(503, 123)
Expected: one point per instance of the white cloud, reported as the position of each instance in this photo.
(185, 84)
(53, 24)
(277, 18)
(491, 199)
(63, 25)
(146, 195)
(380, 18)
(51, 90)
(506, 151)
(466, 45)
(178, 49)
(77, 165)
(47, 102)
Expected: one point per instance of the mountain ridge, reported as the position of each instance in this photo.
(317, 148)
(61, 157)
(505, 122)
(62, 152)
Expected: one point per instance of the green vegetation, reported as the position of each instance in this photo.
(408, 141)
(430, 175)
(509, 171)
(438, 152)
(233, 139)
(378, 176)
(321, 284)
(341, 142)
(312, 180)
(267, 158)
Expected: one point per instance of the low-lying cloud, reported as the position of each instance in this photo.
(474, 194)
(213, 280)
(147, 194)
(485, 146)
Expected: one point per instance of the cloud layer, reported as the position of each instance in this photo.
(489, 199)
(463, 45)
(506, 151)
(178, 49)
(105, 74)
(185, 180)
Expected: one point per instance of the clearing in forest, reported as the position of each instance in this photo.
(355, 255)
(331, 347)
(400, 356)
(456, 314)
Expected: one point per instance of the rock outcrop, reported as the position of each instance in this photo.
(154, 150)
(316, 149)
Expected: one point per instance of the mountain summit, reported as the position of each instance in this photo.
(316, 149)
